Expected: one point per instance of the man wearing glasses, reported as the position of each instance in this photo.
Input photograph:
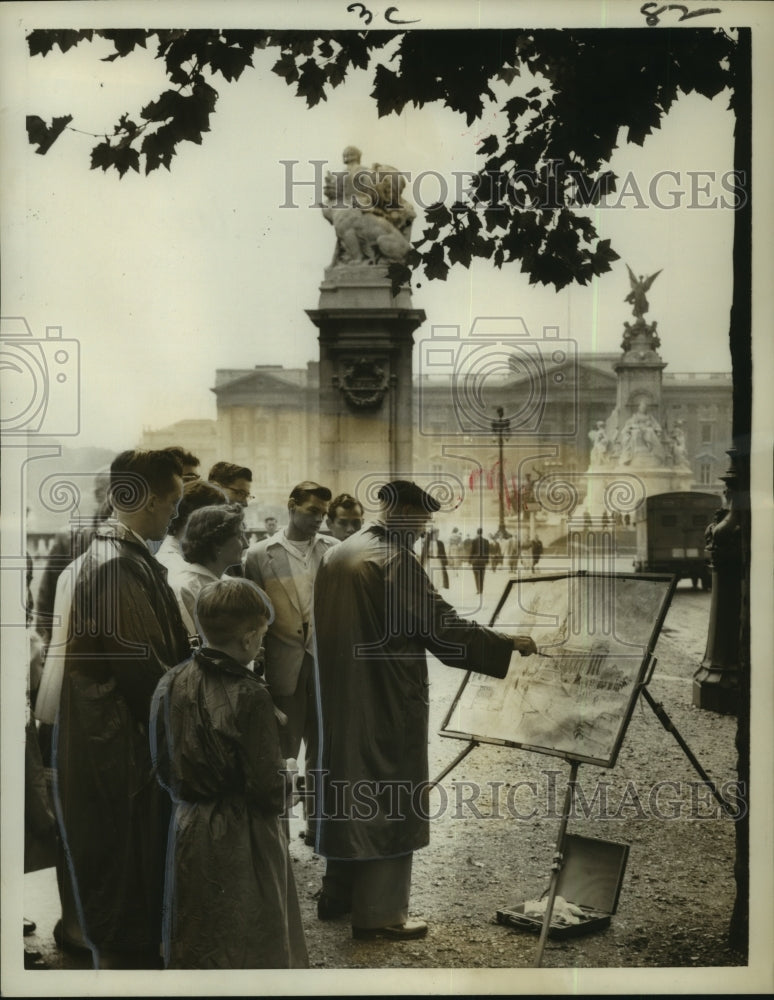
(188, 461)
(234, 480)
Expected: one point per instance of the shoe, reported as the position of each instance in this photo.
(409, 931)
(29, 927)
(65, 943)
(329, 908)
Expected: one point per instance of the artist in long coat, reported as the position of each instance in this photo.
(230, 896)
(376, 613)
(125, 632)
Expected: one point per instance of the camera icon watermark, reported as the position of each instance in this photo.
(499, 364)
(40, 381)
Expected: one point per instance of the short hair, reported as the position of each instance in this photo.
(196, 494)
(269, 517)
(208, 528)
(302, 492)
(227, 608)
(136, 474)
(401, 491)
(183, 456)
(345, 500)
(224, 473)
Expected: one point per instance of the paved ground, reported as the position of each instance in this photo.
(678, 889)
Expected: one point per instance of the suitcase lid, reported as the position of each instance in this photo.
(592, 872)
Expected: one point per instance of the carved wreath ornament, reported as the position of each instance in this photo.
(363, 384)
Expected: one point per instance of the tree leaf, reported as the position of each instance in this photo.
(286, 67)
(44, 136)
(311, 83)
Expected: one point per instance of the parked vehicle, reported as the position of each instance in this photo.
(670, 531)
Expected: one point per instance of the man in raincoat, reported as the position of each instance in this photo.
(376, 614)
(125, 632)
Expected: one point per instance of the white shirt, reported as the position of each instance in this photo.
(171, 554)
(186, 581)
(303, 567)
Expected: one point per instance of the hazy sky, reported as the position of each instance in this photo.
(165, 278)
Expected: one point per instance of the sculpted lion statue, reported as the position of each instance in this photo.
(375, 223)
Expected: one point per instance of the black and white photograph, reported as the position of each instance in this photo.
(386, 498)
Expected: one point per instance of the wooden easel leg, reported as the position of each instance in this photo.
(556, 866)
(728, 807)
(460, 756)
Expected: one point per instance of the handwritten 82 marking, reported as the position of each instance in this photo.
(366, 15)
(652, 16)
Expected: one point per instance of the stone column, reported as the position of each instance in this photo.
(366, 391)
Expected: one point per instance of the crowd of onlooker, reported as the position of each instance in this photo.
(176, 671)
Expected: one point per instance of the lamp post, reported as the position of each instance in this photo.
(500, 428)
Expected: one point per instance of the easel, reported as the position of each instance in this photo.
(569, 796)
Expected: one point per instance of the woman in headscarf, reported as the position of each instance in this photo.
(214, 540)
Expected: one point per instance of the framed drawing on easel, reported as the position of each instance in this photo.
(595, 635)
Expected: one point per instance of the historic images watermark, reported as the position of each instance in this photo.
(538, 798)
(499, 360)
(40, 381)
(305, 185)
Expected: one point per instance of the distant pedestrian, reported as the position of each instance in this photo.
(478, 558)
(455, 548)
(537, 551)
(433, 558)
(512, 553)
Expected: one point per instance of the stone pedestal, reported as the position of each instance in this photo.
(619, 489)
(366, 394)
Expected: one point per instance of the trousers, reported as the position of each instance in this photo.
(301, 710)
(378, 890)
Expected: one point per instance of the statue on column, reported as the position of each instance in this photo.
(636, 296)
(367, 210)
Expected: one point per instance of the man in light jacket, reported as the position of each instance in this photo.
(285, 565)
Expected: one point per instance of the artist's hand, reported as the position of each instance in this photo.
(524, 644)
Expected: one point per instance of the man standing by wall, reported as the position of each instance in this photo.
(285, 566)
(125, 632)
(376, 614)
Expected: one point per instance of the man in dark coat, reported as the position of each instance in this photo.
(376, 613)
(125, 632)
(479, 557)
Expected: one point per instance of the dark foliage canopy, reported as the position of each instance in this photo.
(542, 167)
